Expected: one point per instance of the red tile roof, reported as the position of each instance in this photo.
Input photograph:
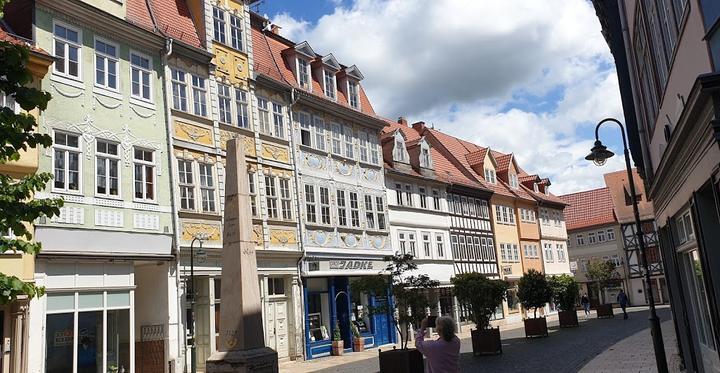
(477, 157)
(503, 160)
(268, 54)
(171, 18)
(7, 36)
(589, 208)
(139, 14)
(618, 184)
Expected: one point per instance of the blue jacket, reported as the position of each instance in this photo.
(622, 299)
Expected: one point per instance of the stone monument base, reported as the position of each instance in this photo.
(257, 360)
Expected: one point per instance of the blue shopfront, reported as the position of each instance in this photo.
(329, 301)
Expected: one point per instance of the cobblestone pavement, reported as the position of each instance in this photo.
(607, 345)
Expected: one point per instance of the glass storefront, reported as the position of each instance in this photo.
(99, 341)
(701, 311)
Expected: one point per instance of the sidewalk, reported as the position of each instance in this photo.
(372, 353)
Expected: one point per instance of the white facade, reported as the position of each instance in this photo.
(553, 241)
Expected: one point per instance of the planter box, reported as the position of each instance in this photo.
(359, 344)
(401, 361)
(536, 327)
(337, 348)
(568, 319)
(486, 341)
(605, 311)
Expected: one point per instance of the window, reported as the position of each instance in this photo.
(199, 95)
(241, 108)
(179, 89)
(580, 240)
(423, 197)
(187, 189)
(408, 195)
(66, 162)
(106, 65)
(399, 195)
(224, 104)
(531, 251)
(454, 246)
(144, 167)
(278, 124)
(305, 128)
(67, 51)
(424, 157)
(107, 168)
(548, 252)
(399, 154)
(329, 84)
(349, 142)
(369, 212)
(354, 95)
(380, 210)
(219, 24)
(285, 198)
(236, 32)
(264, 115)
(509, 253)
(8, 101)
(490, 176)
(374, 153)
(514, 181)
(336, 139)
(611, 234)
(436, 199)
(252, 191)
(407, 243)
(271, 197)
(616, 260)
(527, 215)
(426, 244)
(303, 73)
(325, 205)
(560, 252)
(591, 238)
(601, 236)
(319, 133)
(440, 245)
(684, 228)
(310, 212)
(276, 286)
(140, 76)
(535, 188)
(341, 207)
(505, 214)
(207, 187)
(363, 145)
(354, 209)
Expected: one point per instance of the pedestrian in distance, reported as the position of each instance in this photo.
(623, 300)
(585, 302)
(442, 354)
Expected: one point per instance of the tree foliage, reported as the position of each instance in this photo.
(601, 273)
(533, 290)
(480, 295)
(408, 290)
(18, 133)
(564, 291)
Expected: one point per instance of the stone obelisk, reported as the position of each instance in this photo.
(242, 345)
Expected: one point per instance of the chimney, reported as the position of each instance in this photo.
(402, 121)
(275, 29)
(419, 127)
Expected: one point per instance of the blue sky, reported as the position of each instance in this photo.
(531, 78)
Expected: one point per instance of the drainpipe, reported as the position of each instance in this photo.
(173, 205)
(298, 264)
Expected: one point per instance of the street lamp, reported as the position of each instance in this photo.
(191, 295)
(599, 154)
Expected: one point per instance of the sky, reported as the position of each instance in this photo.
(530, 78)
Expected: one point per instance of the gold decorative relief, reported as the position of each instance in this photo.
(231, 66)
(257, 234)
(249, 142)
(282, 237)
(277, 172)
(193, 133)
(194, 155)
(277, 153)
(192, 230)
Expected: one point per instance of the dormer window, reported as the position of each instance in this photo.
(303, 73)
(547, 190)
(354, 95)
(535, 188)
(490, 176)
(399, 154)
(329, 84)
(425, 157)
(514, 181)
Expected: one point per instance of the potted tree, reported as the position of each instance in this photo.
(481, 296)
(564, 291)
(534, 292)
(408, 291)
(358, 341)
(337, 343)
(602, 273)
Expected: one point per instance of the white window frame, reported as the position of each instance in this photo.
(325, 211)
(353, 89)
(363, 145)
(380, 213)
(348, 142)
(370, 221)
(560, 248)
(253, 192)
(286, 206)
(236, 32)
(141, 71)
(66, 150)
(425, 158)
(440, 245)
(106, 58)
(66, 45)
(580, 239)
(242, 108)
(490, 176)
(108, 157)
(206, 187)
(610, 234)
(224, 95)
(337, 140)
(319, 126)
(304, 120)
(278, 120)
(437, 201)
(330, 92)
(186, 183)
(354, 209)
(591, 238)
(422, 192)
(304, 79)
(219, 33)
(549, 257)
(199, 86)
(342, 204)
(145, 164)
(311, 211)
(264, 115)
(182, 89)
(399, 150)
(427, 244)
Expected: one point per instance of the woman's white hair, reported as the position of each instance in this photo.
(446, 326)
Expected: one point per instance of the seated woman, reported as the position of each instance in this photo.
(442, 354)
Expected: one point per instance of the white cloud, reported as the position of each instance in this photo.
(461, 64)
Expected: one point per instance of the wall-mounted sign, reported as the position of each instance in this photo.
(347, 266)
(351, 264)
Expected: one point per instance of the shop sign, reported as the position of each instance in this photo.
(347, 265)
(63, 338)
(507, 270)
(351, 264)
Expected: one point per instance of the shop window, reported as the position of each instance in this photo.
(318, 317)
(360, 312)
(276, 286)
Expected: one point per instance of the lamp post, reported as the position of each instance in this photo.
(599, 154)
(191, 296)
